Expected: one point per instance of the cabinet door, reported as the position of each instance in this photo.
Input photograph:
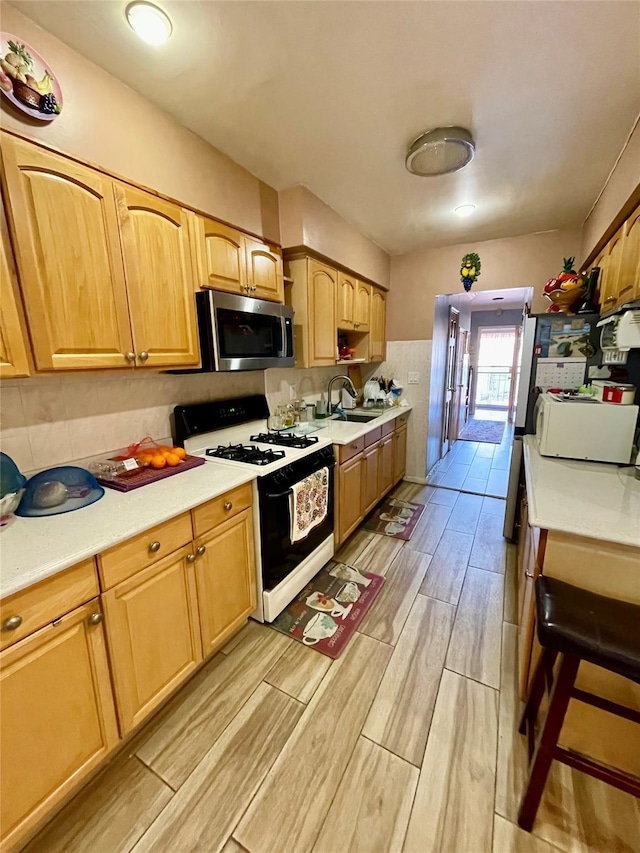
(346, 301)
(362, 316)
(64, 224)
(221, 256)
(152, 630)
(14, 360)
(399, 453)
(370, 462)
(225, 579)
(349, 497)
(377, 343)
(629, 275)
(322, 315)
(265, 278)
(385, 465)
(609, 264)
(57, 719)
(159, 274)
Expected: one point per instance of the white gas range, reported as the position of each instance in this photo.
(234, 432)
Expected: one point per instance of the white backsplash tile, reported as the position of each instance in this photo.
(404, 357)
(52, 420)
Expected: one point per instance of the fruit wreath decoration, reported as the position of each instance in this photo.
(470, 270)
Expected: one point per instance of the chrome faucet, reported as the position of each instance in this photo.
(348, 384)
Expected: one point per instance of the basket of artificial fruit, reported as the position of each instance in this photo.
(566, 290)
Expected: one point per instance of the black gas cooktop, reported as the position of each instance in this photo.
(248, 453)
(285, 439)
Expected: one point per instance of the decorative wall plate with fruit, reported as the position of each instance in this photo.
(27, 80)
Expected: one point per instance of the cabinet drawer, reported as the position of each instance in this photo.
(388, 428)
(214, 512)
(373, 436)
(348, 451)
(50, 599)
(401, 421)
(124, 560)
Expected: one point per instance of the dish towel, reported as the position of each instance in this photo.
(308, 507)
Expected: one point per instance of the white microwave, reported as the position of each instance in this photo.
(598, 432)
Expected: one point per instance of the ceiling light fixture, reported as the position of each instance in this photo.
(149, 22)
(464, 209)
(440, 151)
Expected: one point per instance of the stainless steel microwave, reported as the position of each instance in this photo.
(242, 333)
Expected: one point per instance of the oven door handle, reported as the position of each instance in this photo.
(279, 495)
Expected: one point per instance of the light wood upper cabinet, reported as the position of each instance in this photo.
(346, 301)
(14, 358)
(629, 272)
(225, 579)
(152, 630)
(264, 270)
(64, 223)
(362, 314)
(221, 256)
(57, 720)
(159, 275)
(322, 284)
(377, 339)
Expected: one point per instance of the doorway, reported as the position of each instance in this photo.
(497, 372)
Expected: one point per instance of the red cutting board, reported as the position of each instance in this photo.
(150, 475)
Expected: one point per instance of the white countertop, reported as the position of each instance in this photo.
(590, 499)
(32, 549)
(344, 432)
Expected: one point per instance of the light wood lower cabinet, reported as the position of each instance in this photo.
(370, 464)
(57, 720)
(385, 464)
(365, 473)
(349, 497)
(399, 453)
(153, 634)
(225, 579)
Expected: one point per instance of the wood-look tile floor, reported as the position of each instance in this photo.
(478, 467)
(406, 744)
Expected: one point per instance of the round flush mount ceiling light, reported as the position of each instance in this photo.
(464, 209)
(149, 22)
(440, 151)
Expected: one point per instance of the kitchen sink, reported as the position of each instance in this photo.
(360, 419)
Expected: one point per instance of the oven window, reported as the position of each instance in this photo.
(245, 335)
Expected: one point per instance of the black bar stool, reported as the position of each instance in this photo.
(577, 625)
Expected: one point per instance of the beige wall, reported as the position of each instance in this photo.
(417, 278)
(622, 182)
(108, 124)
(305, 220)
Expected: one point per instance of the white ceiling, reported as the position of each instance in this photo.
(329, 94)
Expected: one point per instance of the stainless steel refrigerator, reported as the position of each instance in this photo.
(551, 345)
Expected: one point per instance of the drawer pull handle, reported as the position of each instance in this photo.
(353, 446)
(12, 623)
(143, 355)
(200, 550)
(154, 546)
(228, 505)
(96, 618)
(130, 356)
(191, 558)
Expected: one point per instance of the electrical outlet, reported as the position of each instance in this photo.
(414, 379)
